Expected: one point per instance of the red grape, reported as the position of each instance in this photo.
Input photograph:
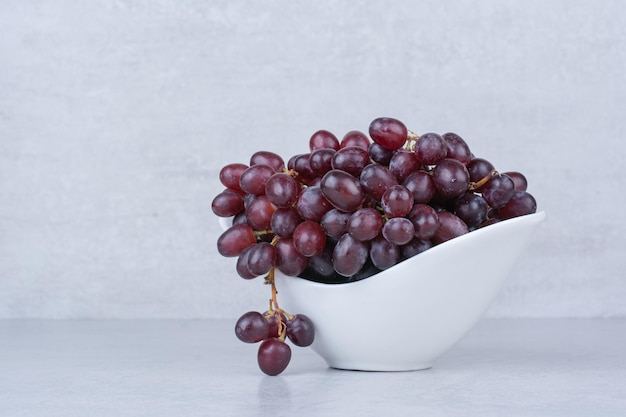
(235, 239)
(323, 139)
(300, 330)
(451, 178)
(375, 179)
(430, 148)
(351, 159)
(365, 224)
(274, 356)
(355, 138)
(342, 190)
(227, 203)
(383, 253)
(388, 132)
(268, 158)
(282, 190)
(252, 327)
(349, 255)
(288, 260)
(230, 175)
(309, 238)
(253, 179)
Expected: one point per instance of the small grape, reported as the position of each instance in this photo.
(450, 226)
(284, 221)
(375, 179)
(402, 164)
(355, 138)
(309, 238)
(242, 264)
(252, 327)
(430, 149)
(457, 148)
(479, 169)
(259, 213)
(471, 208)
(235, 239)
(425, 220)
(253, 179)
(383, 253)
(323, 139)
(342, 190)
(379, 154)
(521, 183)
(520, 204)
(388, 132)
(227, 203)
(322, 265)
(261, 258)
(365, 224)
(415, 247)
(274, 356)
(300, 330)
(421, 185)
(321, 161)
(282, 190)
(351, 159)
(397, 201)
(335, 223)
(302, 165)
(231, 174)
(312, 204)
(268, 158)
(451, 178)
(398, 230)
(498, 190)
(288, 260)
(349, 255)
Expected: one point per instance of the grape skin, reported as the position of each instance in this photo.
(227, 203)
(288, 260)
(252, 327)
(273, 356)
(365, 224)
(300, 330)
(388, 132)
(350, 255)
(235, 239)
(268, 158)
(309, 238)
(342, 190)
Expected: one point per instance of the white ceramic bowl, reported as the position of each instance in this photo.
(407, 316)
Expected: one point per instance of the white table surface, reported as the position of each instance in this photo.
(517, 367)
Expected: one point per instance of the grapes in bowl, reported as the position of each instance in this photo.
(387, 248)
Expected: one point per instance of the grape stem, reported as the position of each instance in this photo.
(483, 181)
(275, 309)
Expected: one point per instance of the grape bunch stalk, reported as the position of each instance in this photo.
(346, 210)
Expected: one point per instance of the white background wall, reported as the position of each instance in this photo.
(116, 116)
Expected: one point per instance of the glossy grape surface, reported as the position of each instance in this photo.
(274, 356)
(252, 327)
(388, 132)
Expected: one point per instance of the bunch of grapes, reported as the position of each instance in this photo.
(348, 209)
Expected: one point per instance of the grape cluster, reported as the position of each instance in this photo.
(272, 328)
(348, 209)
